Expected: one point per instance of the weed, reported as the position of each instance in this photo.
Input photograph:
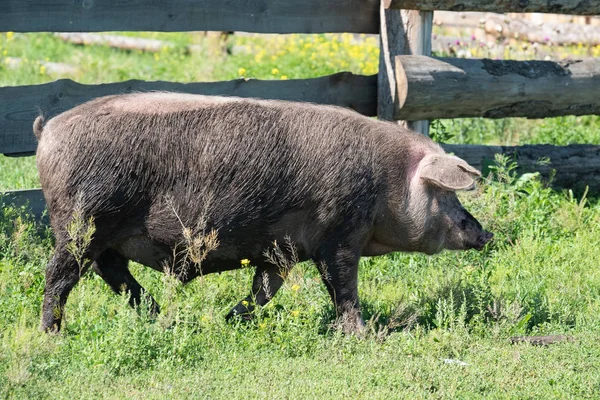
(80, 232)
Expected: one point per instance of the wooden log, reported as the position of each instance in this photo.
(542, 340)
(548, 32)
(53, 69)
(402, 32)
(574, 7)
(116, 41)
(20, 105)
(573, 167)
(275, 16)
(456, 88)
(450, 19)
(499, 25)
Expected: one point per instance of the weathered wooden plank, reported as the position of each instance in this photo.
(576, 166)
(31, 199)
(273, 16)
(403, 32)
(19, 105)
(574, 7)
(456, 88)
(391, 44)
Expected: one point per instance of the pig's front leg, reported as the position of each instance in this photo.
(338, 266)
(267, 280)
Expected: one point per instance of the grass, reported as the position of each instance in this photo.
(427, 315)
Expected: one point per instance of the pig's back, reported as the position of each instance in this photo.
(239, 161)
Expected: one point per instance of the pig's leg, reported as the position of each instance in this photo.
(339, 270)
(267, 280)
(112, 267)
(62, 273)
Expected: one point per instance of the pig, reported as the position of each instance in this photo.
(308, 182)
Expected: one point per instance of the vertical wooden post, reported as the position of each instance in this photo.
(402, 32)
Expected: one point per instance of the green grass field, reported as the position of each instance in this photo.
(439, 327)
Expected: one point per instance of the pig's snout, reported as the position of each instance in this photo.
(483, 239)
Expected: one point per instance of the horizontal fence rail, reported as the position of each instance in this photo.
(431, 88)
(20, 105)
(572, 7)
(261, 16)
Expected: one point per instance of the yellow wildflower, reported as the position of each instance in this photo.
(42, 69)
(295, 313)
(284, 77)
(295, 287)
(156, 56)
(258, 57)
(245, 262)
(9, 35)
(244, 303)
(242, 72)
(274, 71)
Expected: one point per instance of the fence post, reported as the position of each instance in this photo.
(402, 32)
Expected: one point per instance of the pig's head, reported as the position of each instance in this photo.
(426, 216)
(441, 220)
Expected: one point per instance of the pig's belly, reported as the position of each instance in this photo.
(145, 251)
(156, 255)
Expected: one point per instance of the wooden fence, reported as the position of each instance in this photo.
(410, 85)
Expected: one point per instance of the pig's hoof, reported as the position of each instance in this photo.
(351, 325)
(53, 329)
(243, 311)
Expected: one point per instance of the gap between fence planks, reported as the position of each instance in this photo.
(20, 105)
(274, 16)
(573, 7)
(430, 88)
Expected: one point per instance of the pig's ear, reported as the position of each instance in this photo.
(448, 172)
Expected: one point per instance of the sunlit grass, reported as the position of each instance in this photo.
(540, 276)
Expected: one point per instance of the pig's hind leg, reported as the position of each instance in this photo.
(267, 280)
(62, 273)
(113, 268)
